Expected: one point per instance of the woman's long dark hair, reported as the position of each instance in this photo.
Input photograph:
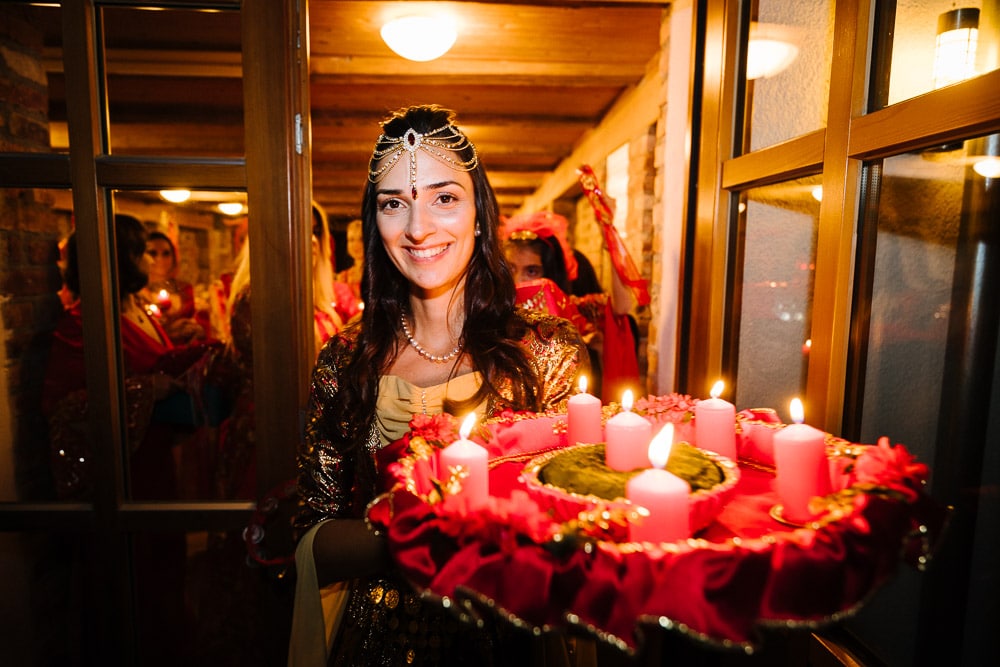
(130, 246)
(492, 332)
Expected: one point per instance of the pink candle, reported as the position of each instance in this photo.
(627, 437)
(469, 461)
(802, 469)
(663, 495)
(715, 424)
(583, 417)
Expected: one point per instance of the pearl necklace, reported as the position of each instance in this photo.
(420, 349)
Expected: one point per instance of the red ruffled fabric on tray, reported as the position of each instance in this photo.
(743, 572)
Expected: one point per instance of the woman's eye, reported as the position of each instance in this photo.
(533, 272)
(447, 198)
(389, 205)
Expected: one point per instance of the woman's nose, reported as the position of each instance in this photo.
(420, 224)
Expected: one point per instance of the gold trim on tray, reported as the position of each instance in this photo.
(706, 504)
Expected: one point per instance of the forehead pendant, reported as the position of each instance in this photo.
(443, 144)
(411, 141)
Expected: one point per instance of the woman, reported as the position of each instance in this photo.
(546, 271)
(351, 276)
(439, 332)
(236, 475)
(160, 417)
(168, 299)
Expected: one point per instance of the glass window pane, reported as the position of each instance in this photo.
(205, 598)
(788, 70)
(33, 226)
(41, 607)
(176, 327)
(32, 72)
(934, 43)
(931, 298)
(779, 251)
(174, 82)
(924, 199)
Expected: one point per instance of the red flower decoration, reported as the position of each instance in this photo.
(890, 467)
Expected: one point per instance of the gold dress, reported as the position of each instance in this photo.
(386, 622)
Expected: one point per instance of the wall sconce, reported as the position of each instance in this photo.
(420, 38)
(176, 196)
(955, 46)
(771, 49)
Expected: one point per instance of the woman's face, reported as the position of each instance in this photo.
(430, 239)
(161, 260)
(525, 262)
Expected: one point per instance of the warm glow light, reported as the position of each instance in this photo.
(988, 167)
(817, 193)
(176, 196)
(717, 389)
(627, 400)
(467, 424)
(583, 384)
(231, 207)
(796, 410)
(955, 46)
(420, 38)
(660, 446)
(771, 50)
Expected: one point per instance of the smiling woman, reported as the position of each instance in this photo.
(439, 333)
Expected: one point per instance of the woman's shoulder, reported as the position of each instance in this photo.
(545, 327)
(340, 345)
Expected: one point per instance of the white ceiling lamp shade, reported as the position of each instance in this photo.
(987, 167)
(771, 49)
(231, 207)
(176, 196)
(421, 38)
(955, 46)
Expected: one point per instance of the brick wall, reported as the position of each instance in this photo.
(29, 279)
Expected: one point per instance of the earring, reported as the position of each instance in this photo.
(478, 231)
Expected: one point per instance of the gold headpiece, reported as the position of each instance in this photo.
(436, 143)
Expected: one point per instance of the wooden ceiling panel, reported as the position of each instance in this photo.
(528, 82)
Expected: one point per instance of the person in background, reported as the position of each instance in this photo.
(439, 332)
(352, 275)
(546, 271)
(160, 378)
(326, 283)
(168, 299)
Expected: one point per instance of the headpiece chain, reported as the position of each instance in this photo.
(436, 143)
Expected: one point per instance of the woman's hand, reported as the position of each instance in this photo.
(163, 386)
(346, 549)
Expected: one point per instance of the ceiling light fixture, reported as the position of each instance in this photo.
(176, 196)
(231, 207)
(420, 38)
(987, 167)
(771, 49)
(955, 46)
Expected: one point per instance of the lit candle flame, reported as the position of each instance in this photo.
(583, 384)
(717, 389)
(627, 400)
(660, 446)
(163, 295)
(797, 411)
(466, 429)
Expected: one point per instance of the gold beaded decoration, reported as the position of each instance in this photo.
(440, 144)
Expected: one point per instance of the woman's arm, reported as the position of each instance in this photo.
(343, 547)
(346, 549)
